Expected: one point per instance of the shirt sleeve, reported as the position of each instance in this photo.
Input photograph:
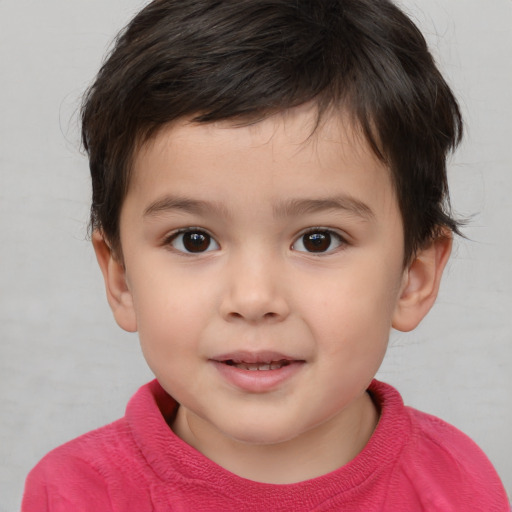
(57, 485)
(447, 471)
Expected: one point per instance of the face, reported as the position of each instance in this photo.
(263, 267)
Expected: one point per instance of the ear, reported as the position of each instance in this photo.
(118, 294)
(421, 282)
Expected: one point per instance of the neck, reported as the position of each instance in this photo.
(316, 452)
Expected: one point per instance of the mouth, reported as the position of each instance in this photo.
(259, 366)
(257, 372)
(267, 360)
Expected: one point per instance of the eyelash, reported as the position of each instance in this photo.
(326, 235)
(318, 238)
(174, 237)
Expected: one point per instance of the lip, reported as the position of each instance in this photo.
(246, 356)
(256, 381)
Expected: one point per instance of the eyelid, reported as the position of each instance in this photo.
(170, 237)
(335, 233)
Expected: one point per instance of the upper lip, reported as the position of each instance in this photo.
(245, 356)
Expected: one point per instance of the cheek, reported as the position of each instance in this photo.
(169, 295)
(353, 312)
(165, 317)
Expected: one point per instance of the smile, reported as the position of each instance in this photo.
(263, 366)
(257, 372)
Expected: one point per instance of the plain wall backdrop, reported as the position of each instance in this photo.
(66, 368)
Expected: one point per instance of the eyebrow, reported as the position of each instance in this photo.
(170, 203)
(345, 203)
(289, 208)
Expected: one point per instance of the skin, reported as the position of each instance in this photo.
(251, 194)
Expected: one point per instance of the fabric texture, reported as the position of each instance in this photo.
(413, 462)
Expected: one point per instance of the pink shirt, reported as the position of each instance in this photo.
(412, 462)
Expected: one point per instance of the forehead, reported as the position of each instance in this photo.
(289, 155)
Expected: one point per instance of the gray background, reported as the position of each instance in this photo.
(66, 368)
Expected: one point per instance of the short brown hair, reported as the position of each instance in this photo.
(214, 60)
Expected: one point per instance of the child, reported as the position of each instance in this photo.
(269, 199)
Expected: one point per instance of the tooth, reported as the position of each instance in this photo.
(270, 365)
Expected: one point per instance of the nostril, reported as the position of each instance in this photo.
(252, 306)
(269, 316)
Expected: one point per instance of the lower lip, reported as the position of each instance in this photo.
(258, 381)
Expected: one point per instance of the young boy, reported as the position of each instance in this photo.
(269, 199)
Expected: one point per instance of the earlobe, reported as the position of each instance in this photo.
(118, 294)
(421, 282)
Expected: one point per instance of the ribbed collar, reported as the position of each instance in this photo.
(173, 460)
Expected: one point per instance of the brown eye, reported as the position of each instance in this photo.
(194, 242)
(318, 242)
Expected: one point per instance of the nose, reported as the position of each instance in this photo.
(255, 290)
